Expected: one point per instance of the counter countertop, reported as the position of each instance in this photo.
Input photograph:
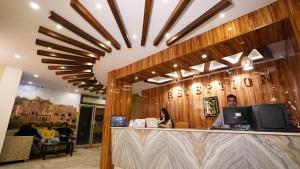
(215, 131)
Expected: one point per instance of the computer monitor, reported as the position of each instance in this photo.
(237, 115)
(118, 121)
(271, 117)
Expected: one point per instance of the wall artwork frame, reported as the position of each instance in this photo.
(211, 106)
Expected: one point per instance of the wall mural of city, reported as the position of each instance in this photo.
(41, 111)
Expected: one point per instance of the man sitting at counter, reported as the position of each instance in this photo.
(231, 102)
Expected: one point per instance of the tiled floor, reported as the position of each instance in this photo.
(83, 158)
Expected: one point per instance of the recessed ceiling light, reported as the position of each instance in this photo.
(230, 28)
(58, 26)
(99, 6)
(62, 67)
(175, 65)
(49, 48)
(136, 77)
(90, 64)
(134, 36)
(167, 35)
(82, 83)
(76, 90)
(34, 6)
(204, 56)
(153, 72)
(30, 82)
(36, 75)
(222, 15)
(108, 42)
(17, 56)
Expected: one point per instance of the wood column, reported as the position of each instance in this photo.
(118, 102)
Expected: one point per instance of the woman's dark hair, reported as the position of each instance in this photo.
(167, 116)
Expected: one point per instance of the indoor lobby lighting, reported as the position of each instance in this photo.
(99, 6)
(17, 56)
(108, 42)
(204, 56)
(36, 75)
(175, 65)
(167, 35)
(34, 6)
(134, 36)
(30, 82)
(58, 26)
(136, 77)
(153, 72)
(222, 15)
(76, 90)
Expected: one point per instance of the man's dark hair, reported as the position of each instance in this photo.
(231, 96)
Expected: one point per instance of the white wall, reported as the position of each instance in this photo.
(55, 96)
(8, 91)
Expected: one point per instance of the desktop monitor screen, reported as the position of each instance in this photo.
(118, 121)
(237, 115)
(270, 117)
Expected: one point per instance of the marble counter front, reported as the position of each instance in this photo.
(144, 148)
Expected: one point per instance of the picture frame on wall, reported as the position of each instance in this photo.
(211, 106)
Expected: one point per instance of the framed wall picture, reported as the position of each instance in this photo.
(211, 106)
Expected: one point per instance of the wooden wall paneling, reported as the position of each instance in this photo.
(189, 108)
(146, 21)
(70, 41)
(254, 20)
(117, 15)
(181, 6)
(65, 23)
(293, 6)
(84, 13)
(65, 49)
(223, 4)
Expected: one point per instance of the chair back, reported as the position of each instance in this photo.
(182, 125)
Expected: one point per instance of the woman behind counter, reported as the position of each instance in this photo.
(165, 121)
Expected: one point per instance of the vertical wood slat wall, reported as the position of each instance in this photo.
(282, 88)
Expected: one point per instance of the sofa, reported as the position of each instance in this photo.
(16, 148)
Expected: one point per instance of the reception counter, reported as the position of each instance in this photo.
(143, 148)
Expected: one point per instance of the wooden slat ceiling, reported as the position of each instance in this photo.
(256, 39)
(81, 61)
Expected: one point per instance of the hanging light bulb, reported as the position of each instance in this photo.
(247, 63)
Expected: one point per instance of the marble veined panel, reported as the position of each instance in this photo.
(175, 149)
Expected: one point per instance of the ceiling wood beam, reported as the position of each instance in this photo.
(147, 17)
(64, 62)
(81, 80)
(95, 84)
(65, 56)
(65, 49)
(85, 83)
(63, 67)
(117, 15)
(70, 77)
(199, 21)
(83, 12)
(65, 23)
(179, 74)
(181, 6)
(73, 71)
(70, 41)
